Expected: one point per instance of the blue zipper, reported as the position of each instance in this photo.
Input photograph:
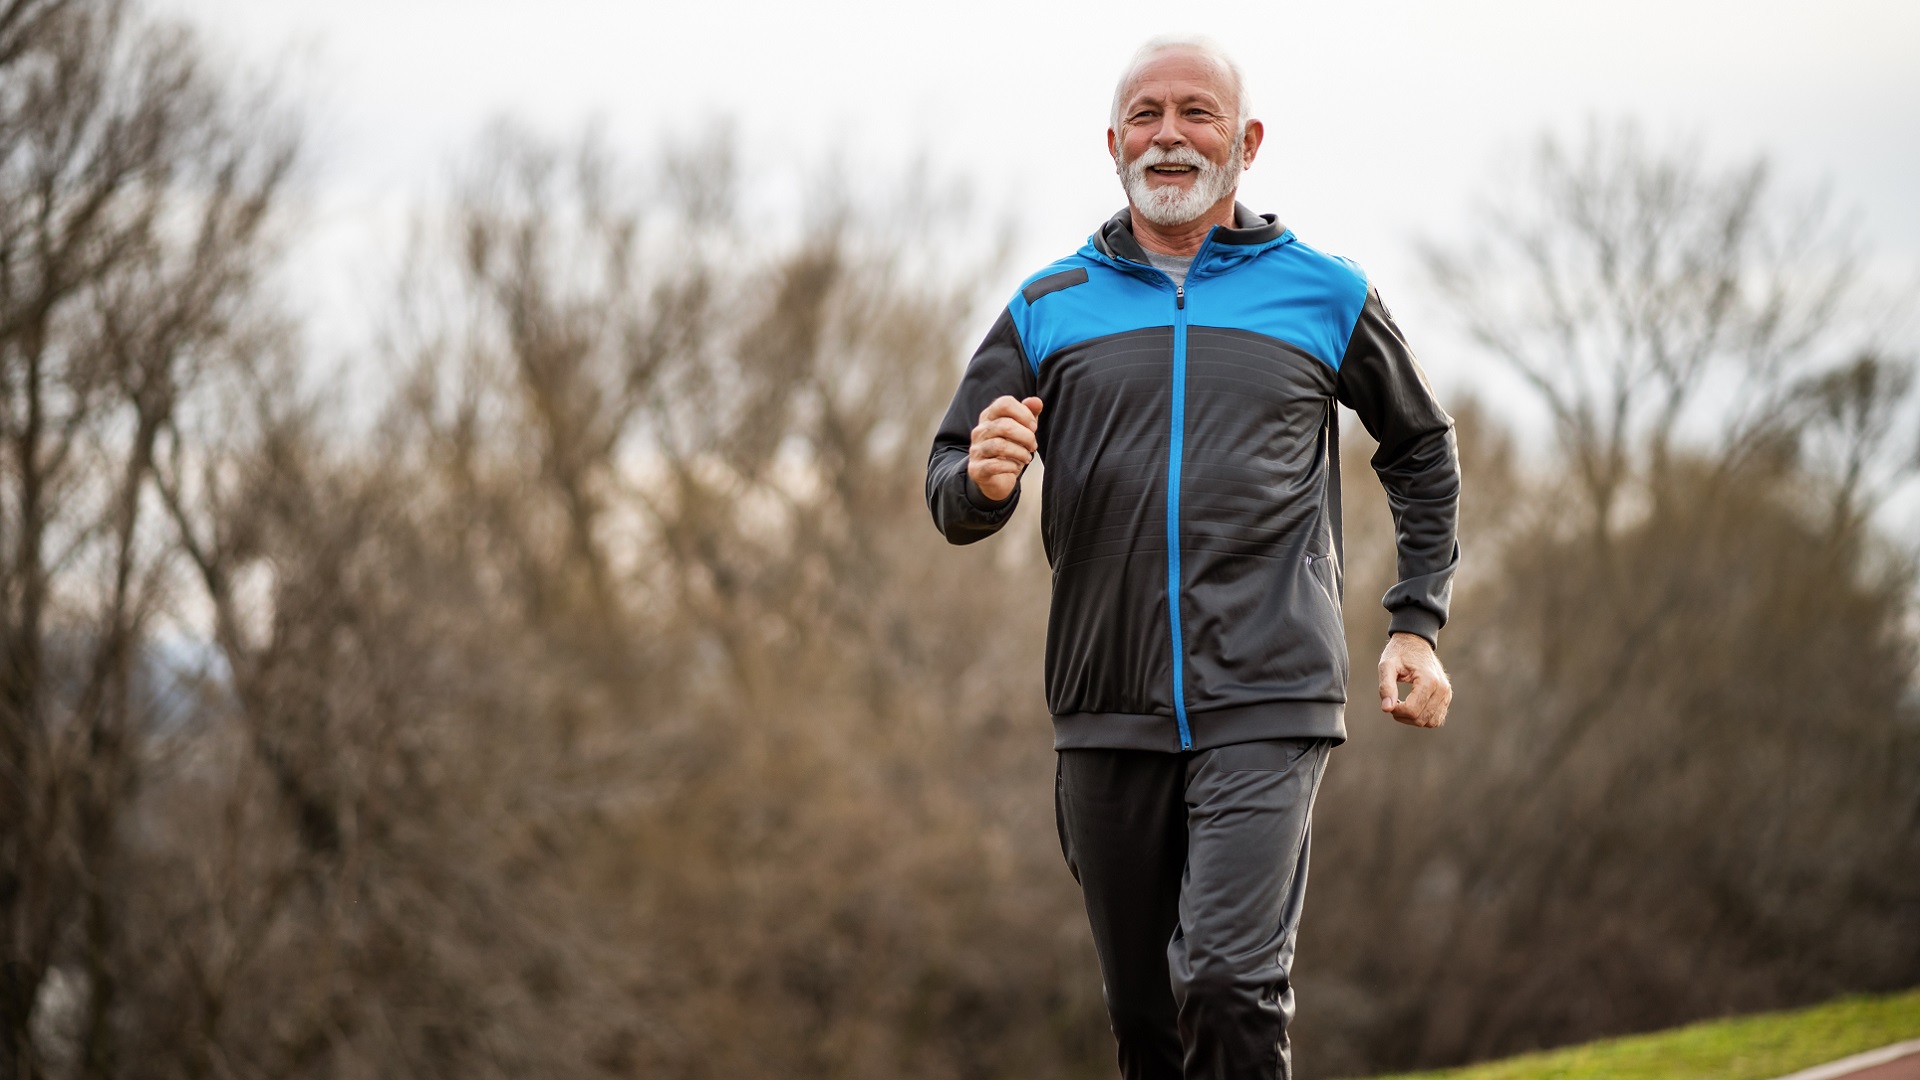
(1178, 426)
(1173, 506)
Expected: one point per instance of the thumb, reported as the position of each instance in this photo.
(1389, 685)
(1034, 405)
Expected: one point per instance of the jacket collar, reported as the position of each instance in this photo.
(1115, 239)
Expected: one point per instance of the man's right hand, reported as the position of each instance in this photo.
(1004, 443)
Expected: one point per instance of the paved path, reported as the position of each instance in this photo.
(1901, 1061)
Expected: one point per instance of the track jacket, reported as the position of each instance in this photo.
(1191, 505)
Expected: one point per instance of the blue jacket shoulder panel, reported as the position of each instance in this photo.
(1291, 292)
(1082, 297)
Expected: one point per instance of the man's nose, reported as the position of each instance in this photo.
(1168, 132)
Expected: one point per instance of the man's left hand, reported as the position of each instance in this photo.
(1409, 659)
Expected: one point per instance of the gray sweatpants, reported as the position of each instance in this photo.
(1194, 868)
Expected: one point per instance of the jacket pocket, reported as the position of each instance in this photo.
(1323, 571)
(1320, 569)
(1261, 630)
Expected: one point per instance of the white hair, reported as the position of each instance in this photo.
(1208, 50)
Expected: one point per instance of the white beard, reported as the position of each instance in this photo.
(1169, 205)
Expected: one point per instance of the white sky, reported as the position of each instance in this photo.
(1383, 118)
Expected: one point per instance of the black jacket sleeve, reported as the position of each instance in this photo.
(1417, 462)
(999, 367)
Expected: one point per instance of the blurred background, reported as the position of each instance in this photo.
(467, 607)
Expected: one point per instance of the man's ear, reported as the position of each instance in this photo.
(1113, 148)
(1250, 141)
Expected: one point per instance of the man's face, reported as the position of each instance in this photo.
(1178, 148)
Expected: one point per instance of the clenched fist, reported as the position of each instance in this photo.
(1004, 442)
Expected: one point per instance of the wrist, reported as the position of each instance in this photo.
(1407, 639)
(982, 501)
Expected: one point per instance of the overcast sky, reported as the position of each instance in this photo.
(1383, 119)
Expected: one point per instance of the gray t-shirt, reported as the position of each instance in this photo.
(1174, 266)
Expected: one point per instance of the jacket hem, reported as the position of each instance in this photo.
(1216, 727)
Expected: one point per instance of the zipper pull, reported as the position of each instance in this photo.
(1180, 295)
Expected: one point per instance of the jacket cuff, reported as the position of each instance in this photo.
(980, 501)
(1417, 621)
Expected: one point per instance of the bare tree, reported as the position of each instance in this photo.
(134, 199)
(1635, 288)
(1850, 423)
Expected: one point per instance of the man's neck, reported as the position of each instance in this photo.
(1181, 239)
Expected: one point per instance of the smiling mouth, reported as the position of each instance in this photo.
(1170, 170)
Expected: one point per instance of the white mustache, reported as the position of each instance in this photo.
(1160, 155)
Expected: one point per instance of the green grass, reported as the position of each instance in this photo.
(1747, 1048)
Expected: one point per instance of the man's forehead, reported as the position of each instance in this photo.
(1177, 73)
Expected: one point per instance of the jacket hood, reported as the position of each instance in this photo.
(1250, 233)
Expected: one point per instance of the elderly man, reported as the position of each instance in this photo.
(1179, 376)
